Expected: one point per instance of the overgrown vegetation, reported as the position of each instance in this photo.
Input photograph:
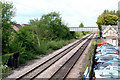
(39, 38)
(83, 32)
(80, 34)
(8, 11)
(92, 48)
(4, 69)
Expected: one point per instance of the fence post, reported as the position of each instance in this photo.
(10, 62)
(96, 37)
(16, 59)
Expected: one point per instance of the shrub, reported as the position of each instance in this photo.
(42, 49)
(52, 45)
(22, 59)
(4, 68)
(5, 58)
(57, 44)
(27, 55)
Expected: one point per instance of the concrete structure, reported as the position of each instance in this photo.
(83, 28)
(110, 34)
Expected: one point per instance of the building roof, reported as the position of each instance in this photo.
(18, 25)
(109, 31)
(24, 24)
(15, 28)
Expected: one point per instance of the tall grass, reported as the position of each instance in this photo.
(91, 50)
(57, 44)
(50, 46)
(80, 34)
(46, 47)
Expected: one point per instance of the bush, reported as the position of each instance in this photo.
(53, 45)
(22, 60)
(57, 44)
(27, 55)
(4, 71)
(5, 58)
(49, 51)
(4, 68)
(42, 49)
(80, 34)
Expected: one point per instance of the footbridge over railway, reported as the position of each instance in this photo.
(83, 28)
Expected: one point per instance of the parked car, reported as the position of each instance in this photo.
(107, 44)
(112, 54)
(110, 50)
(107, 51)
(103, 59)
(107, 72)
(100, 60)
(108, 63)
(108, 69)
(113, 62)
(106, 47)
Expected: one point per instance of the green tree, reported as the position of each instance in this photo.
(53, 20)
(108, 17)
(112, 12)
(51, 27)
(24, 42)
(81, 25)
(8, 11)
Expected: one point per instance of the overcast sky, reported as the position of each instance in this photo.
(73, 12)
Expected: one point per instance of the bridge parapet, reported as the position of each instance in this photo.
(83, 28)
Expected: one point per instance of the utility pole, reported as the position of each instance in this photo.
(119, 6)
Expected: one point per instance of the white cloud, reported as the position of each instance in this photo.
(72, 11)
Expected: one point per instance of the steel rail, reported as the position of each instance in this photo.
(64, 70)
(40, 68)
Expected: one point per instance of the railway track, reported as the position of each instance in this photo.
(42, 67)
(64, 70)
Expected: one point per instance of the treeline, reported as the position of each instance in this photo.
(51, 27)
(41, 37)
(108, 17)
(113, 12)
